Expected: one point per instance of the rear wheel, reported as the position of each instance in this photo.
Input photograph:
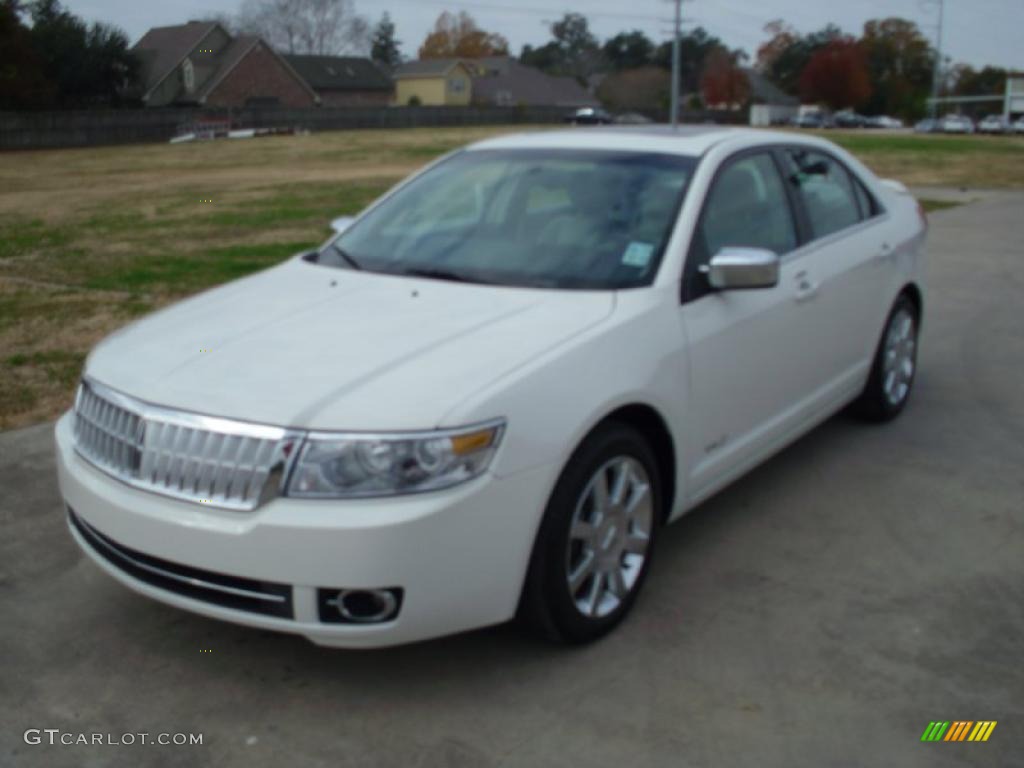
(595, 542)
(895, 365)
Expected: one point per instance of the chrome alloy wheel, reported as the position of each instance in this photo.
(609, 537)
(900, 354)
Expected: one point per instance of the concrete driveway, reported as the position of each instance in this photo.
(820, 612)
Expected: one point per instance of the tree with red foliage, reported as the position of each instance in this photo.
(837, 75)
(723, 82)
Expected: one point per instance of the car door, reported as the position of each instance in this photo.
(840, 273)
(748, 350)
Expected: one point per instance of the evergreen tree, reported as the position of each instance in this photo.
(384, 48)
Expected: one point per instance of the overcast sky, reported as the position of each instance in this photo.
(977, 31)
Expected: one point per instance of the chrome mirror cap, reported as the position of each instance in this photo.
(342, 223)
(742, 269)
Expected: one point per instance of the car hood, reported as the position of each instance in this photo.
(309, 346)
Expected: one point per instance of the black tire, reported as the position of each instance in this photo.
(547, 605)
(874, 403)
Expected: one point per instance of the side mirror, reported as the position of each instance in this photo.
(342, 223)
(742, 268)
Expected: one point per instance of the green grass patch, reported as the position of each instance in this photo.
(60, 365)
(19, 237)
(182, 245)
(927, 144)
(15, 398)
(29, 308)
(184, 273)
(426, 151)
(313, 203)
(938, 205)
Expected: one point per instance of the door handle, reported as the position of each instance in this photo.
(805, 287)
(886, 252)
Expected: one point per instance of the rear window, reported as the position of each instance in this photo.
(829, 193)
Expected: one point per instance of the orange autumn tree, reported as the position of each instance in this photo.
(837, 75)
(459, 37)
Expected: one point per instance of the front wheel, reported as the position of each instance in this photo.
(894, 367)
(595, 542)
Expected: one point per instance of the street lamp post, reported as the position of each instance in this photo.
(937, 74)
(675, 63)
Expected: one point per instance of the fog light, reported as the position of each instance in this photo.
(359, 606)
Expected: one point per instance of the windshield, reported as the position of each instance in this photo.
(542, 218)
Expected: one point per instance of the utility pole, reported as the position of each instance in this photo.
(676, 31)
(937, 75)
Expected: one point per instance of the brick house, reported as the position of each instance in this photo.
(344, 81)
(201, 63)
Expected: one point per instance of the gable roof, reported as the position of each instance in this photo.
(493, 65)
(506, 81)
(162, 49)
(340, 73)
(232, 56)
(227, 60)
(427, 68)
(764, 91)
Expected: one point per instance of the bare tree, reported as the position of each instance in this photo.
(322, 27)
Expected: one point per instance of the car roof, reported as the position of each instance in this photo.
(689, 140)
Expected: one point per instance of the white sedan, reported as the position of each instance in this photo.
(484, 395)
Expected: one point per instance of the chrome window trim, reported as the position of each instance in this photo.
(812, 246)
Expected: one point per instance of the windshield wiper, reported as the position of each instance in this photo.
(438, 273)
(345, 255)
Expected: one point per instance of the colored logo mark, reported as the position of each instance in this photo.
(959, 730)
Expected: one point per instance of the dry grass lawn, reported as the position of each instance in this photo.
(90, 239)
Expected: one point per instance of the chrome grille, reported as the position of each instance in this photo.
(215, 461)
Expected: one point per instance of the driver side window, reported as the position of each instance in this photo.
(747, 207)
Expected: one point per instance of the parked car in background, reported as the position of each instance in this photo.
(590, 116)
(632, 118)
(485, 395)
(849, 119)
(928, 125)
(1018, 126)
(995, 124)
(956, 124)
(883, 121)
(817, 120)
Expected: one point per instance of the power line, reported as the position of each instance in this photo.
(937, 73)
(676, 32)
(528, 10)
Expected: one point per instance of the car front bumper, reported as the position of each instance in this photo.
(459, 556)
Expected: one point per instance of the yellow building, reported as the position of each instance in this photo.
(433, 82)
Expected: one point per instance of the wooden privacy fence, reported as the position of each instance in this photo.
(86, 128)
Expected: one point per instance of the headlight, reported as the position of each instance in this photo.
(347, 465)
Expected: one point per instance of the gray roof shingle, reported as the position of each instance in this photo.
(504, 81)
(162, 48)
(340, 73)
(426, 67)
(764, 91)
